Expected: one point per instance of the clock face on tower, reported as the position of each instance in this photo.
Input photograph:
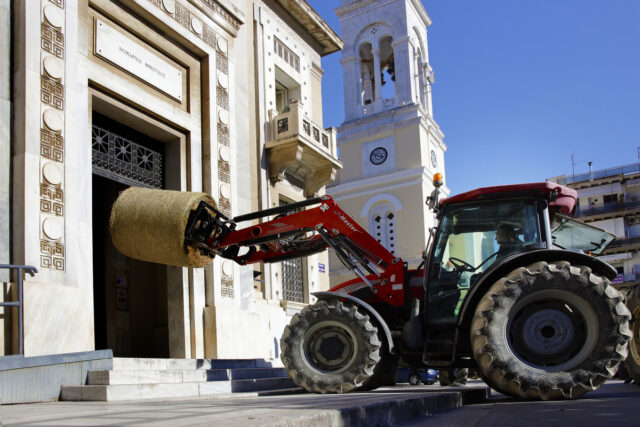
(378, 156)
(434, 160)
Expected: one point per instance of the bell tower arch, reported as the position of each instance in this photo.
(390, 143)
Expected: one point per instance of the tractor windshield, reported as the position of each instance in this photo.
(472, 237)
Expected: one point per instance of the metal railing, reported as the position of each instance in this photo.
(294, 121)
(606, 207)
(601, 173)
(624, 241)
(32, 271)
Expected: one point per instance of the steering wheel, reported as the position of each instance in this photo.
(461, 265)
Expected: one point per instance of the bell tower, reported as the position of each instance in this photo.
(390, 143)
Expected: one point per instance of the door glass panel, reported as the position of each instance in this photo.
(472, 237)
(570, 234)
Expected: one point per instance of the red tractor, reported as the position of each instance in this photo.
(507, 286)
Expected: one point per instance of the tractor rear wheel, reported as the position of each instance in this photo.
(550, 331)
(330, 347)
(633, 360)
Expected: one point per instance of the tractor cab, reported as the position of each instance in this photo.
(487, 228)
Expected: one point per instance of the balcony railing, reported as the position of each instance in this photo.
(602, 173)
(606, 208)
(296, 123)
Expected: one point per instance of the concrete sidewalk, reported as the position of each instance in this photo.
(385, 406)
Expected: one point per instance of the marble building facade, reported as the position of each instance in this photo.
(193, 95)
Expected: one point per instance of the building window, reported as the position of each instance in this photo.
(282, 97)
(286, 54)
(610, 198)
(293, 273)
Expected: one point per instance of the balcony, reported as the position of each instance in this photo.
(302, 151)
(612, 209)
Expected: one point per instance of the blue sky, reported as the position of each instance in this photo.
(521, 85)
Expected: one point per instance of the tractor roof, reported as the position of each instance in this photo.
(565, 198)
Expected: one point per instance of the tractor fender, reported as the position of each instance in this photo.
(366, 307)
(506, 265)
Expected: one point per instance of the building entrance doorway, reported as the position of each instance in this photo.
(130, 296)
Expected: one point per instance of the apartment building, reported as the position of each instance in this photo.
(610, 199)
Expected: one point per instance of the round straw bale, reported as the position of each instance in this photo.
(149, 225)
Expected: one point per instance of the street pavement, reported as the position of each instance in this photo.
(385, 406)
(613, 404)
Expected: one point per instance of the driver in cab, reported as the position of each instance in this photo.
(507, 240)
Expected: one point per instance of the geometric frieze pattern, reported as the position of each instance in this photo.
(51, 145)
(182, 15)
(222, 64)
(223, 171)
(227, 286)
(222, 98)
(223, 134)
(123, 160)
(52, 131)
(52, 40)
(52, 92)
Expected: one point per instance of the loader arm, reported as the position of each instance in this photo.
(296, 234)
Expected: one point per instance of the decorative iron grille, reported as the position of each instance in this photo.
(292, 274)
(122, 160)
(283, 125)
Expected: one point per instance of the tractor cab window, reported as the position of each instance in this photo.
(570, 234)
(473, 236)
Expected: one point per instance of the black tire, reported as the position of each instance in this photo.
(414, 379)
(385, 372)
(330, 347)
(633, 360)
(445, 377)
(549, 331)
(449, 377)
(462, 375)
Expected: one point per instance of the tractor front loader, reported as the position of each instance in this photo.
(507, 286)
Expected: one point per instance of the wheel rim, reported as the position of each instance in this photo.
(553, 330)
(634, 344)
(329, 347)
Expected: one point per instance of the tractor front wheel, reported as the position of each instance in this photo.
(633, 360)
(550, 331)
(330, 347)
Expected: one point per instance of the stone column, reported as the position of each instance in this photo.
(377, 78)
(350, 75)
(402, 62)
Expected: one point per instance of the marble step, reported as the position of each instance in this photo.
(173, 376)
(140, 364)
(119, 392)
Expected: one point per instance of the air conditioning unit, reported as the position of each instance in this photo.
(633, 220)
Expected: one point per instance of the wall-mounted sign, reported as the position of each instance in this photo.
(321, 267)
(138, 60)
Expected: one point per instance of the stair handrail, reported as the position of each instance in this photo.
(32, 271)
